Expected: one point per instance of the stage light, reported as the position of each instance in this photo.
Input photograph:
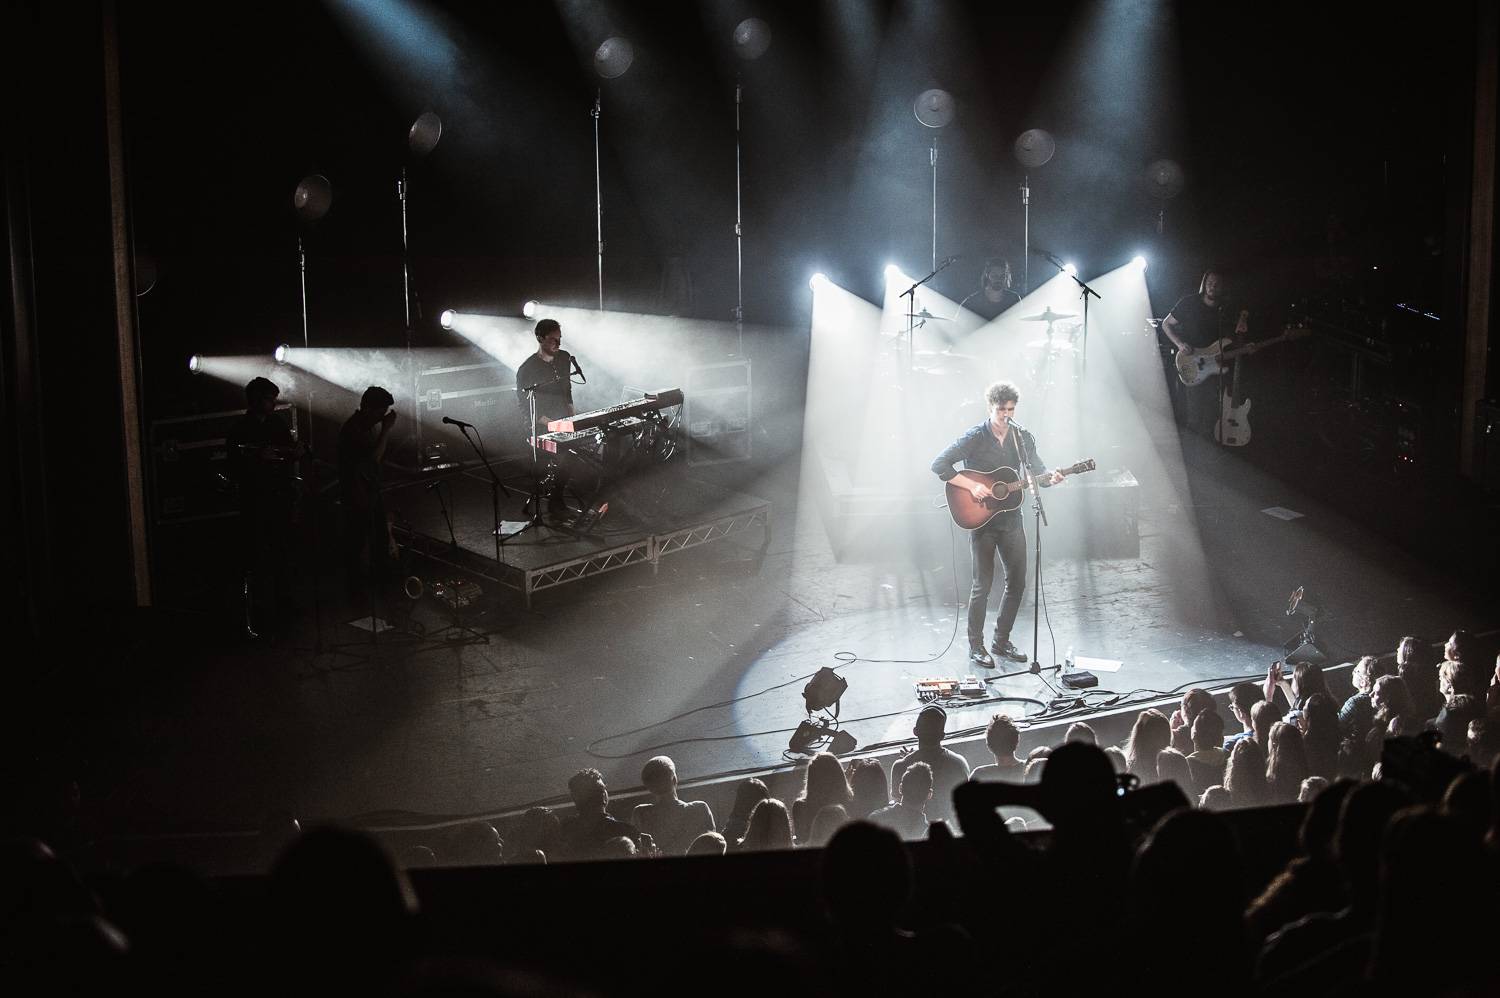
(194, 364)
(817, 281)
(529, 309)
(1140, 262)
(446, 319)
(892, 271)
(824, 690)
(281, 352)
(1070, 270)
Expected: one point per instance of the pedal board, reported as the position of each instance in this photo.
(946, 688)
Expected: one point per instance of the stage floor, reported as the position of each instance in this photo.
(608, 671)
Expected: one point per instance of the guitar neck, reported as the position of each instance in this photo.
(1227, 354)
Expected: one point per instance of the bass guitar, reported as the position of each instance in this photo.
(1006, 484)
(1196, 366)
(1233, 426)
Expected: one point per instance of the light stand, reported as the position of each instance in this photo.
(311, 201)
(1033, 148)
(934, 109)
(611, 60)
(598, 198)
(421, 139)
(751, 39)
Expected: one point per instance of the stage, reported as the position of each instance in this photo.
(702, 654)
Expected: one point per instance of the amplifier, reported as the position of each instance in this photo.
(716, 409)
(482, 394)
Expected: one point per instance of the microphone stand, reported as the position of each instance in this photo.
(496, 487)
(911, 307)
(1041, 521)
(1084, 291)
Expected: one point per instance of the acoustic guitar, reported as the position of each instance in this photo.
(1006, 483)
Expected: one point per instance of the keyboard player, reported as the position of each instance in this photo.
(550, 371)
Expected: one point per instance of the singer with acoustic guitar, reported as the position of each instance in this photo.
(997, 443)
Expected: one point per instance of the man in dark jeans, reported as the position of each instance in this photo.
(996, 443)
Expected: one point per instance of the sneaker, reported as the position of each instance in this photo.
(981, 658)
(1007, 649)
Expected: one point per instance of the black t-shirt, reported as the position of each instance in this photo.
(555, 388)
(1200, 325)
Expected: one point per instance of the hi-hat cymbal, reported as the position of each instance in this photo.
(1048, 315)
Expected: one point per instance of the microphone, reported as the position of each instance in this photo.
(457, 422)
(576, 369)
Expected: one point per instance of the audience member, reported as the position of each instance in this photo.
(708, 844)
(1172, 765)
(585, 835)
(770, 827)
(1187, 886)
(1262, 716)
(1310, 881)
(1149, 735)
(1245, 774)
(748, 794)
(535, 834)
(1242, 699)
(1311, 787)
(1001, 737)
(1286, 763)
(1117, 758)
(474, 843)
(1207, 760)
(823, 784)
(1216, 798)
(1463, 687)
(908, 816)
(1420, 673)
(871, 789)
(1356, 715)
(1081, 731)
(1324, 949)
(1319, 724)
(1194, 702)
(671, 822)
(949, 769)
(830, 818)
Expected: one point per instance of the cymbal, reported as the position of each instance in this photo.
(1061, 346)
(1048, 316)
(924, 314)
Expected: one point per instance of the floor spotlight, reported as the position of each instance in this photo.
(446, 319)
(824, 691)
(1140, 262)
(892, 271)
(817, 281)
(529, 309)
(195, 364)
(282, 351)
(1070, 270)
